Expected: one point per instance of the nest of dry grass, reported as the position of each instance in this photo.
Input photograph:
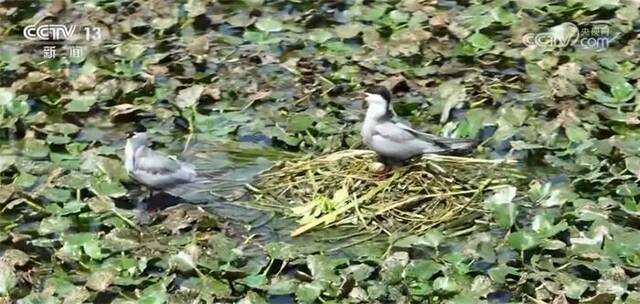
(342, 189)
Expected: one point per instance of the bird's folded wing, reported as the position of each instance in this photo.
(153, 162)
(422, 135)
(394, 132)
(416, 132)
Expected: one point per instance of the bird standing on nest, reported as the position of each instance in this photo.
(396, 142)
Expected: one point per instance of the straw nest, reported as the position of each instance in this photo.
(343, 189)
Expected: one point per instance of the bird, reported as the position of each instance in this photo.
(159, 172)
(395, 142)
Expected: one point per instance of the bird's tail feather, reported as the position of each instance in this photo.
(463, 144)
(457, 146)
(201, 190)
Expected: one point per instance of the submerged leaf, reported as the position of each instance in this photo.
(189, 97)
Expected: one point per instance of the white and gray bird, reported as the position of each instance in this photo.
(157, 171)
(396, 142)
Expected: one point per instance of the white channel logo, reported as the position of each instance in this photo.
(47, 32)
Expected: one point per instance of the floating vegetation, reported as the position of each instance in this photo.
(343, 188)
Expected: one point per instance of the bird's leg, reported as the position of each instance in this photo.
(387, 170)
(150, 193)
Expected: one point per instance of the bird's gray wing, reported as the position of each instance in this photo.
(154, 162)
(391, 131)
(158, 171)
(448, 144)
(421, 135)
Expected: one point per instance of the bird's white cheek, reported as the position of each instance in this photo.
(377, 105)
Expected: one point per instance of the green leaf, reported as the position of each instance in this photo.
(628, 189)
(446, 284)
(465, 298)
(58, 139)
(18, 107)
(269, 24)
(558, 198)
(241, 19)
(63, 128)
(35, 148)
(522, 240)
(54, 224)
(480, 41)
(25, 180)
(500, 203)
(349, 30)
(74, 180)
(8, 279)
(398, 16)
(81, 103)
(502, 15)
(93, 249)
(499, 273)
(195, 8)
(252, 298)
(577, 134)
(573, 287)
(633, 165)
(257, 37)
(308, 292)
(219, 288)
(432, 238)
(359, 272)
(300, 122)
(282, 286)
(320, 35)
(255, 281)
(130, 50)
(450, 94)
(281, 251)
(593, 5)
(6, 161)
(77, 244)
(9, 56)
(107, 188)
(543, 225)
(600, 96)
(154, 294)
(101, 279)
(393, 266)
(6, 96)
(610, 78)
(323, 267)
(623, 91)
(422, 270)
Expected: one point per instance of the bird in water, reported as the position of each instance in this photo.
(395, 142)
(159, 172)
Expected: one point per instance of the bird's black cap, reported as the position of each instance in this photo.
(380, 90)
(137, 128)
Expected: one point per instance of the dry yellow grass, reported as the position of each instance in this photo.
(341, 189)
